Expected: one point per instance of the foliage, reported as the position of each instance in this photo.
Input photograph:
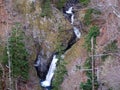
(46, 9)
(32, 5)
(88, 15)
(60, 70)
(93, 32)
(18, 53)
(84, 2)
(1, 49)
(88, 84)
(60, 4)
(59, 75)
(104, 57)
(112, 47)
(87, 64)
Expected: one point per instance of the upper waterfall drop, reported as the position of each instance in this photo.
(71, 13)
(50, 73)
(76, 30)
(70, 10)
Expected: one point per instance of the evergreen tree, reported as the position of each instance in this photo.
(18, 53)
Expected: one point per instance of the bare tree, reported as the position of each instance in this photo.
(9, 59)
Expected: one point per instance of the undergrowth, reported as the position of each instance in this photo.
(88, 15)
(93, 32)
(60, 70)
(84, 2)
(110, 48)
(60, 4)
(46, 8)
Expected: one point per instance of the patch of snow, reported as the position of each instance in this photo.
(77, 32)
(50, 73)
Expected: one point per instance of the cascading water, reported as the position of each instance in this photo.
(50, 73)
(46, 82)
(77, 32)
(75, 29)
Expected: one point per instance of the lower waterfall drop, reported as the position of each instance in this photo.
(50, 73)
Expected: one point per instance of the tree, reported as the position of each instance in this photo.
(18, 54)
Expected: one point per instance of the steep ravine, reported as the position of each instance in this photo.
(46, 74)
(44, 35)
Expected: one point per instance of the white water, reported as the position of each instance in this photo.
(71, 13)
(77, 32)
(52, 68)
(37, 63)
(72, 18)
(70, 10)
(32, 1)
(50, 73)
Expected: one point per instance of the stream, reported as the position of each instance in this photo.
(46, 77)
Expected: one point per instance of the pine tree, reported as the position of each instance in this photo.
(18, 53)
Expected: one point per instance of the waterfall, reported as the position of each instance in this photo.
(71, 13)
(50, 73)
(72, 18)
(77, 32)
(70, 10)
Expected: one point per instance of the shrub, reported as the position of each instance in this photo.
(88, 84)
(84, 2)
(93, 32)
(111, 47)
(60, 70)
(88, 16)
(60, 4)
(59, 74)
(46, 9)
